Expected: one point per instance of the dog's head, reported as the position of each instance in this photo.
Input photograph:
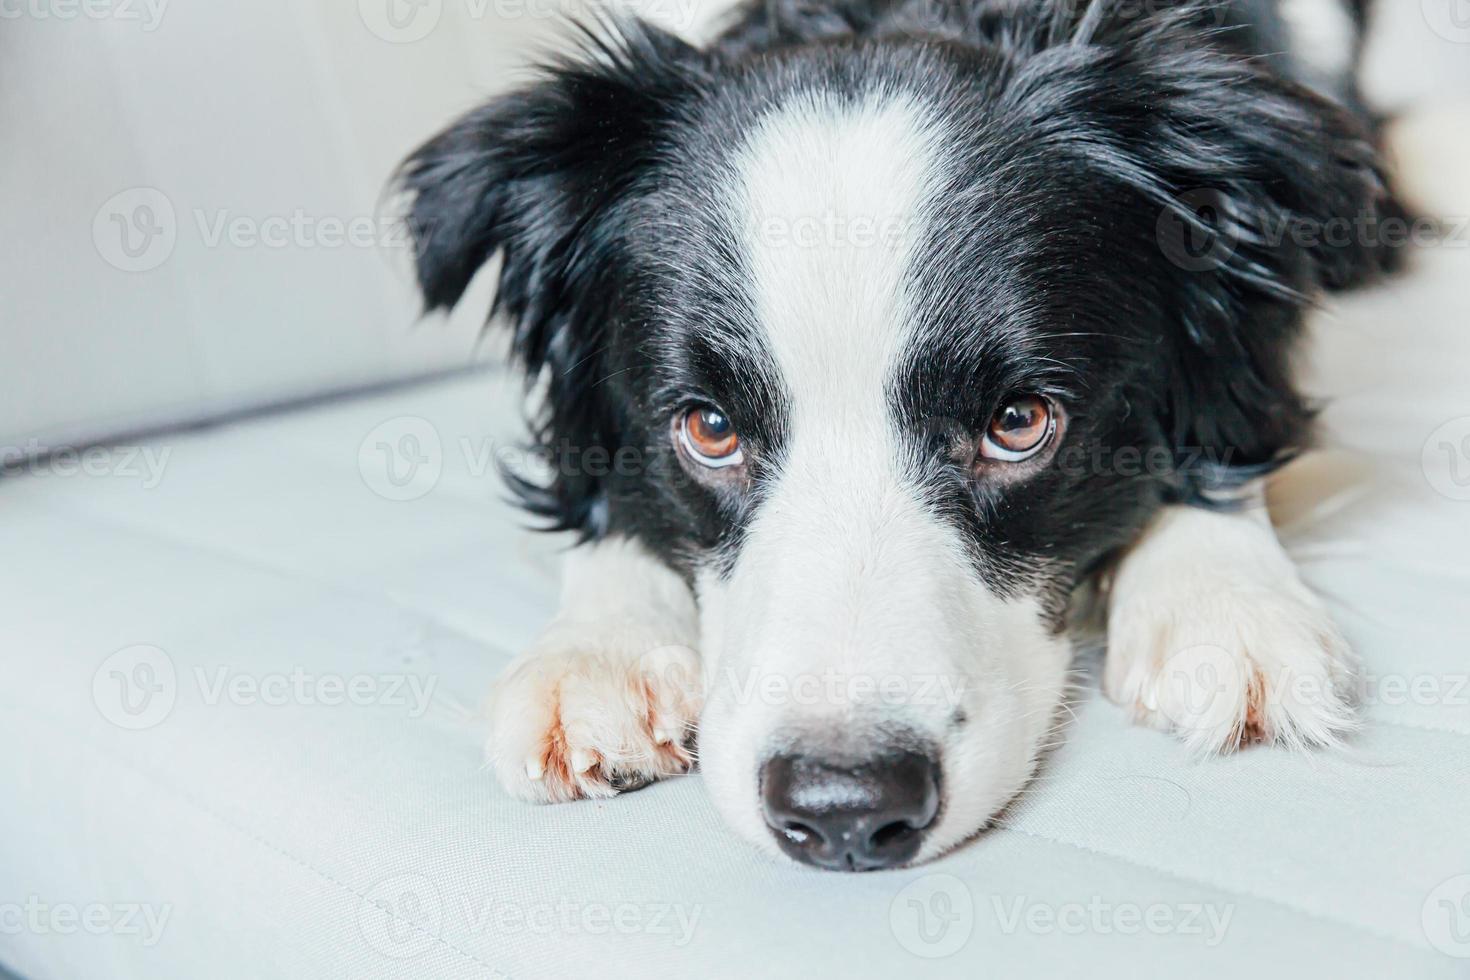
(886, 344)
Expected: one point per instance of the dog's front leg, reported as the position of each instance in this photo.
(1213, 634)
(608, 698)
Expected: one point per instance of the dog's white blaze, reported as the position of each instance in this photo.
(832, 198)
(845, 571)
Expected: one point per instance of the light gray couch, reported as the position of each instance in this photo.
(243, 668)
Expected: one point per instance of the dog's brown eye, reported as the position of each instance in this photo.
(1022, 428)
(709, 436)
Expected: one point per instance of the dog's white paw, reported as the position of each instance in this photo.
(1224, 645)
(592, 711)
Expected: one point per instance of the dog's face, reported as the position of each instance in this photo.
(864, 452)
(886, 353)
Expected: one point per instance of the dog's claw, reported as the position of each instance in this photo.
(576, 724)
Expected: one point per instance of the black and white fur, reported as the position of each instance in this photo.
(1023, 156)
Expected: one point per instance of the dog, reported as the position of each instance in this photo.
(869, 336)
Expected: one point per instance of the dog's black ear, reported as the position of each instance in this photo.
(1251, 194)
(528, 170)
(1273, 194)
(537, 176)
(1283, 187)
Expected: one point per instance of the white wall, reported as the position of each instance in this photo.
(1419, 54)
(280, 116)
(281, 119)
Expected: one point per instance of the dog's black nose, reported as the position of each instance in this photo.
(851, 817)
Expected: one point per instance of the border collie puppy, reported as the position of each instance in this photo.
(869, 334)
